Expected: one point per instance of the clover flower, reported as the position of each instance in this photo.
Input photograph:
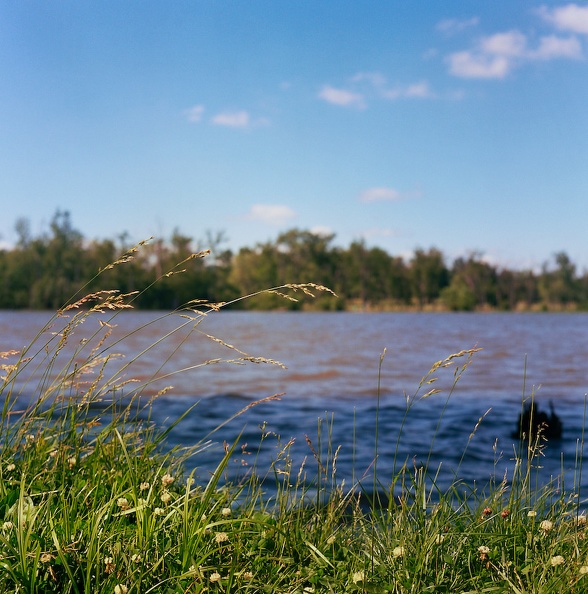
(166, 497)
(7, 526)
(144, 486)
(123, 503)
(221, 537)
(398, 552)
(358, 576)
(215, 577)
(10, 467)
(583, 570)
(159, 512)
(226, 512)
(557, 560)
(546, 526)
(531, 513)
(167, 480)
(120, 589)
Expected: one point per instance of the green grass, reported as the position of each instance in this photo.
(97, 504)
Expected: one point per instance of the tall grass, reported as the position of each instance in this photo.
(91, 500)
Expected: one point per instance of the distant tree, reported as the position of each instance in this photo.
(559, 285)
(428, 275)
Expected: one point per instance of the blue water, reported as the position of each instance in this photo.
(340, 385)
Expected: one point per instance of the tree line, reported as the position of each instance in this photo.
(45, 271)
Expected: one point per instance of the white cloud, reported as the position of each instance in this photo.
(420, 89)
(232, 119)
(271, 214)
(497, 55)
(454, 26)
(552, 46)
(194, 114)
(571, 17)
(380, 195)
(342, 97)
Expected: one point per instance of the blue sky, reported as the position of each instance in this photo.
(458, 124)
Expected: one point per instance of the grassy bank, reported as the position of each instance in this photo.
(91, 500)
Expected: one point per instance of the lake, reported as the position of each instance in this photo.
(337, 376)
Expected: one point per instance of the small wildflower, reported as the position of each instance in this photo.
(109, 564)
(487, 511)
(144, 486)
(10, 467)
(557, 560)
(581, 520)
(247, 575)
(398, 552)
(583, 570)
(215, 577)
(531, 513)
(166, 497)
(123, 503)
(546, 526)
(221, 537)
(505, 513)
(484, 552)
(46, 558)
(7, 526)
(358, 576)
(159, 512)
(72, 461)
(226, 512)
(120, 589)
(167, 479)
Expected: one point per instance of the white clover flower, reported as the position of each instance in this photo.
(483, 550)
(7, 526)
(581, 520)
(358, 576)
(398, 552)
(215, 577)
(546, 525)
(583, 570)
(167, 479)
(247, 575)
(144, 486)
(531, 513)
(226, 512)
(166, 497)
(72, 461)
(10, 467)
(557, 560)
(123, 503)
(159, 512)
(120, 589)
(221, 537)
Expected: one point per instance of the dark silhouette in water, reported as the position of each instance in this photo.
(533, 422)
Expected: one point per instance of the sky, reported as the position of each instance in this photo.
(460, 125)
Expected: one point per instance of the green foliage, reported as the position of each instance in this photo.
(91, 502)
(41, 272)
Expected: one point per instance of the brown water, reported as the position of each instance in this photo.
(332, 362)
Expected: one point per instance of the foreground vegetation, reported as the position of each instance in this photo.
(91, 501)
(42, 272)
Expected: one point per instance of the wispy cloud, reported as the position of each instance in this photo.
(271, 214)
(232, 119)
(572, 17)
(194, 114)
(496, 56)
(454, 26)
(342, 97)
(386, 194)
